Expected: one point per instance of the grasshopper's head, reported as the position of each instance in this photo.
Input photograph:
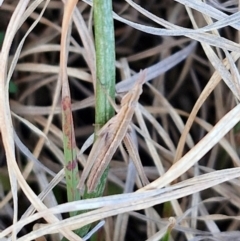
(132, 96)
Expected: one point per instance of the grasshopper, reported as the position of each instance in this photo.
(109, 138)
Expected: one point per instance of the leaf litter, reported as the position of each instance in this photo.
(188, 144)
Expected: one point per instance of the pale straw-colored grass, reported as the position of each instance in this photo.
(184, 121)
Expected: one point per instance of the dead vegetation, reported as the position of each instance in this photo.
(186, 122)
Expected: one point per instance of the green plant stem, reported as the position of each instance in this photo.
(105, 64)
(70, 156)
(167, 212)
(70, 153)
(105, 60)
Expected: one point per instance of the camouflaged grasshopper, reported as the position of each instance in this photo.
(110, 137)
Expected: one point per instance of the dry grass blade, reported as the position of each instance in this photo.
(133, 153)
(6, 127)
(187, 121)
(199, 150)
(138, 201)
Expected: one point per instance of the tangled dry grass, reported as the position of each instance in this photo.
(187, 121)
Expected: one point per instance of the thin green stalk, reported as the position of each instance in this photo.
(105, 60)
(167, 212)
(105, 63)
(70, 156)
(70, 153)
(166, 236)
(69, 142)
